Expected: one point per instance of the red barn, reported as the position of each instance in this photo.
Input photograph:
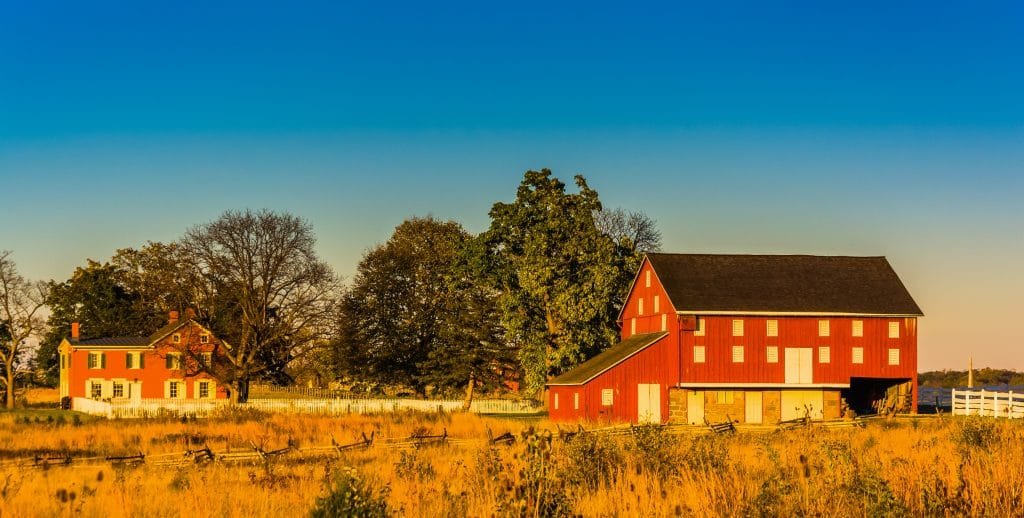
(174, 362)
(753, 339)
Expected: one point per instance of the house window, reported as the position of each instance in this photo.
(607, 396)
(824, 354)
(576, 401)
(204, 390)
(858, 355)
(698, 329)
(698, 354)
(664, 321)
(724, 397)
(894, 329)
(772, 328)
(63, 361)
(97, 360)
(173, 389)
(823, 328)
(772, 354)
(640, 306)
(894, 356)
(174, 361)
(556, 401)
(737, 354)
(647, 278)
(737, 328)
(96, 390)
(118, 389)
(176, 338)
(858, 328)
(204, 339)
(134, 360)
(206, 359)
(657, 304)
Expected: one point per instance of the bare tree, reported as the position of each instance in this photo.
(262, 270)
(20, 303)
(633, 230)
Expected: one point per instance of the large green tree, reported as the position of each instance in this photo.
(417, 315)
(557, 272)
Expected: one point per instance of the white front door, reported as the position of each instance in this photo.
(648, 403)
(752, 402)
(799, 365)
(134, 391)
(695, 407)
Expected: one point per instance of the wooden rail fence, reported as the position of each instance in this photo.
(988, 403)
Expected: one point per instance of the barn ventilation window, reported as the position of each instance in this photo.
(858, 355)
(724, 397)
(607, 396)
(632, 326)
(657, 304)
(640, 306)
(824, 354)
(894, 356)
(858, 328)
(698, 330)
(737, 328)
(664, 321)
(737, 354)
(556, 401)
(772, 354)
(772, 328)
(823, 328)
(698, 354)
(894, 329)
(576, 401)
(647, 278)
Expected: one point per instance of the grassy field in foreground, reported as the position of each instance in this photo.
(932, 467)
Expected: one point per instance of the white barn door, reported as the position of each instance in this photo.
(752, 402)
(799, 365)
(648, 403)
(695, 407)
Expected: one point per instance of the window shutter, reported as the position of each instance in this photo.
(103, 360)
(142, 360)
(167, 389)
(169, 361)
(195, 389)
(90, 361)
(127, 360)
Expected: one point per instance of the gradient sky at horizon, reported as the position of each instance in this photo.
(867, 129)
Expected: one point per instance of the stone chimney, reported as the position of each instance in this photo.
(75, 331)
(172, 317)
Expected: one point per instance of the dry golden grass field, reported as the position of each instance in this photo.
(927, 467)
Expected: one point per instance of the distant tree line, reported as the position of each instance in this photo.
(982, 377)
(434, 309)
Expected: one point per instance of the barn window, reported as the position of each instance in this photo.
(640, 306)
(632, 326)
(858, 328)
(576, 401)
(607, 395)
(737, 354)
(894, 356)
(698, 329)
(737, 328)
(647, 278)
(894, 329)
(858, 355)
(823, 329)
(724, 397)
(772, 328)
(698, 354)
(556, 401)
(772, 354)
(657, 304)
(824, 354)
(664, 321)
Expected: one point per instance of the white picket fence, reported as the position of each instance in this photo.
(331, 407)
(988, 403)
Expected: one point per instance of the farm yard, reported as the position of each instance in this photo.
(246, 463)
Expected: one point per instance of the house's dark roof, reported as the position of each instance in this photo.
(783, 283)
(114, 340)
(587, 370)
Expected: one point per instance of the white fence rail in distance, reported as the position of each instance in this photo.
(988, 403)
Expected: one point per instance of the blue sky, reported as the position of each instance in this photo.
(866, 129)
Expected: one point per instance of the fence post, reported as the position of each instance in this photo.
(1009, 401)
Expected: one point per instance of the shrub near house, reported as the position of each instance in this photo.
(175, 362)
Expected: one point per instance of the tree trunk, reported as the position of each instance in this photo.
(468, 402)
(9, 376)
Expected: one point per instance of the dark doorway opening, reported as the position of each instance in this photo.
(879, 395)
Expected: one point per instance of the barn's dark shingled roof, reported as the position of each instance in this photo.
(587, 370)
(783, 283)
